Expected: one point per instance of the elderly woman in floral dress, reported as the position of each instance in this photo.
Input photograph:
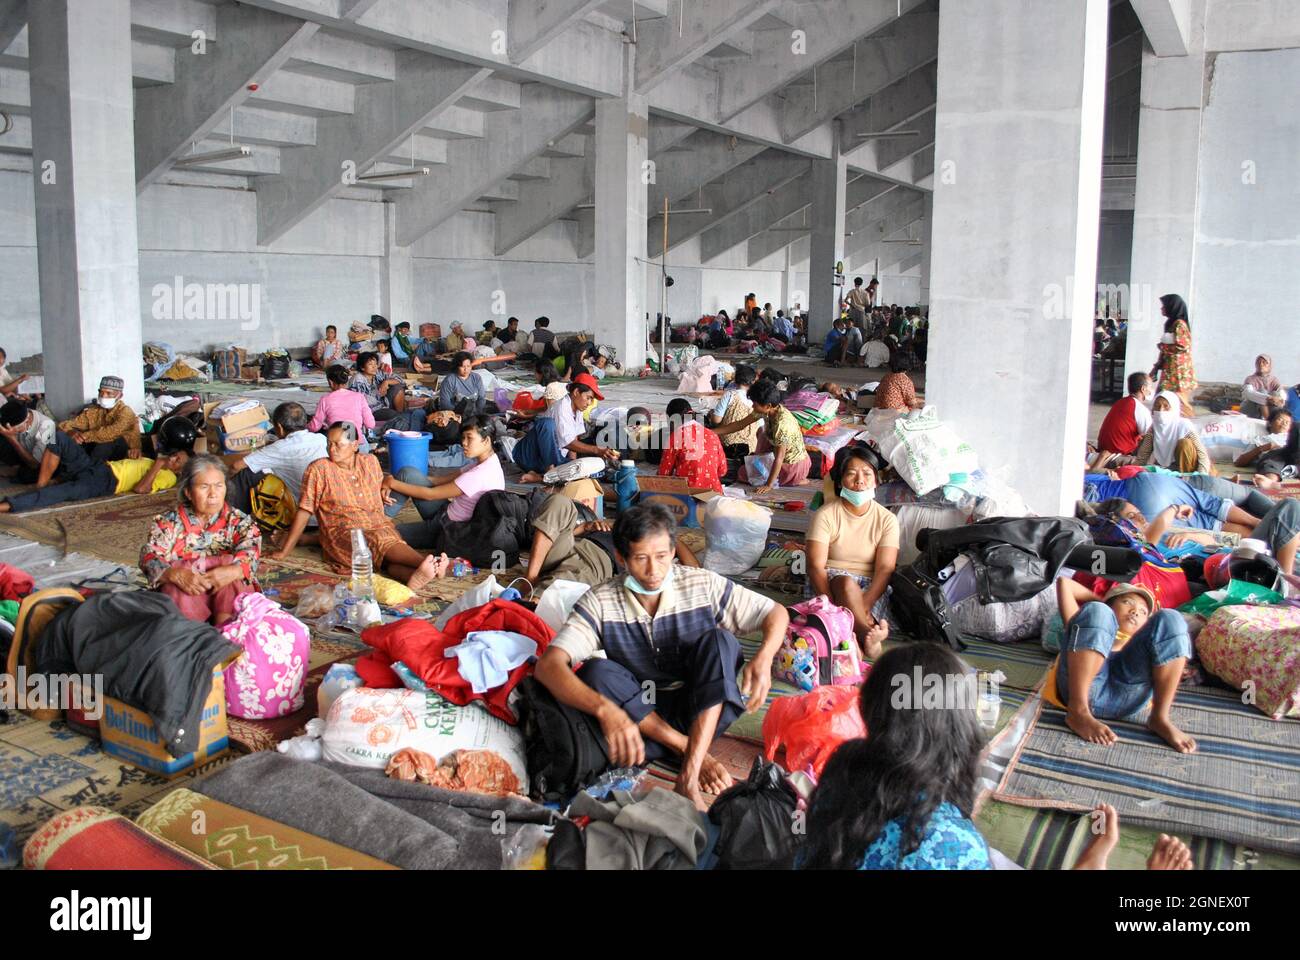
(204, 553)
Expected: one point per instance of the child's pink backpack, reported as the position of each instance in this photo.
(267, 680)
(820, 647)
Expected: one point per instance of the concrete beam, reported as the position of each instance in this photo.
(532, 24)
(584, 58)
(1166, 23)
(878, 63)
(254, 44)
(667, 134)
(821, 30)
(270, 127)
(870, 242)
(513, 138)
(13, 18)
(741, 188)
(890, 109)
(310, 96)
(778, 234)
(770, 210)
(680, 174)
(572, 181)
(688, 33)
(173, 22)
(584, 243)
(387, 115)
(331, 57)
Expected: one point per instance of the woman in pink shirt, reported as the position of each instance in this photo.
(447, 498)
(342, 404)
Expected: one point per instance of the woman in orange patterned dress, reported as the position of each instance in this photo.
(344, 493)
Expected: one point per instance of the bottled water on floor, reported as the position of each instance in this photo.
(363, 572)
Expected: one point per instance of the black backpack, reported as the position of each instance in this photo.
(920, 609)
(565, 748)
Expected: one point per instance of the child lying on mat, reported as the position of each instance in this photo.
(1116, 656)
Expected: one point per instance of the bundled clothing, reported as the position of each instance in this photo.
(150, 656)
(102, 429)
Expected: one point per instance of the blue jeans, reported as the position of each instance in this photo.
(1247, 497)
(538, 450)
(1279, 526)
(1123, 685)
(428, 533)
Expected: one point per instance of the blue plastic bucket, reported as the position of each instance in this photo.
(408, 452)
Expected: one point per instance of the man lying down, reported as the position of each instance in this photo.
(668, 682)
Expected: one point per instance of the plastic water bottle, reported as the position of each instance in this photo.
(990, 703)
(363, 571)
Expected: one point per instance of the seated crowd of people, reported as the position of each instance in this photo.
(653, 614)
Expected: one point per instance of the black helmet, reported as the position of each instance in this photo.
(1257, 568)
(176, 434)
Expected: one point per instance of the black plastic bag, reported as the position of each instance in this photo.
(756, 820)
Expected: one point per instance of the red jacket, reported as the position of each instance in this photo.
(420, 645)
(1119, 432)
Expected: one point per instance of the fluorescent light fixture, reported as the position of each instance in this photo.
(395, 175)
(216, 156)
(888, 134)
(686, 210)
(910, 243)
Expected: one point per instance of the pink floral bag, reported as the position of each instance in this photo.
(1257, 646)
(267, 680)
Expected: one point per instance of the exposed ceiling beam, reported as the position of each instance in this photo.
(532, 24)
(252, 45)
(680, 174)
(13, 17)
(690, 30)
(513, 138)
(1167, 24)
(387, 115)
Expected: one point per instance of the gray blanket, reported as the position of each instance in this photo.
(410, 825)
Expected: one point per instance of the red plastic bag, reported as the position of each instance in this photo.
(811, 726)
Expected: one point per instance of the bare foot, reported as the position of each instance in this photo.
(1170, 853)
(1105, 834)
(873, 644)
(1266, 483)
(427, 571)
(714, 777)
(532, 476)
(1165, 728)
(1090, 728)
(691, 791)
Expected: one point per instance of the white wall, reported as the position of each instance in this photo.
(331, 269)
(1247, 269)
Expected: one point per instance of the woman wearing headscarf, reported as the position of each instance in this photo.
(1259, 386)
(1173, 442)
(1174, 367)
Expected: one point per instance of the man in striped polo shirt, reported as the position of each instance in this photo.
(668, 682)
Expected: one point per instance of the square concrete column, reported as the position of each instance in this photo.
(829, 198)
(1018, 151)
(397, 293)
(927, 236)
(83, 168)
(1165, 205)
(622, 181)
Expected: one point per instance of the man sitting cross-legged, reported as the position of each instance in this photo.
(668, 682)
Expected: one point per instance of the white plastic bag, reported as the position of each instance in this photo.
(365, 727)
(1228, 435)
(484, 592)
(736, 535)
(698, 377)
(557, 600)
(928, 452)
(758, 467)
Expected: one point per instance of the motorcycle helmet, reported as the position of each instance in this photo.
(176, 434)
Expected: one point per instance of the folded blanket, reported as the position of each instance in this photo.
(409, 825)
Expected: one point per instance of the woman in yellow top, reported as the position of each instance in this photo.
(853, 548)
(1175, 367)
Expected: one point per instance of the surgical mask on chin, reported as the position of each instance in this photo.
(859, 498)
(634, 585)
(108, 403)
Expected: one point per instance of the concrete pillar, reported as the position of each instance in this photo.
(1015, 235)
(622, 131)
(787, 282)
(927, 237)
(829, 198)
(83, 162)
(1165, 205)
(397, 293)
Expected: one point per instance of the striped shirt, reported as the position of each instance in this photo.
(609, 617)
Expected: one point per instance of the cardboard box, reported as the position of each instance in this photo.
(235, 422)
(129, 734)
(587, 492)
(248, 439)
(250, 373)
(675, 494)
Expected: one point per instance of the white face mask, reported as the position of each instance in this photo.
(108, 403)
(1164, 416)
